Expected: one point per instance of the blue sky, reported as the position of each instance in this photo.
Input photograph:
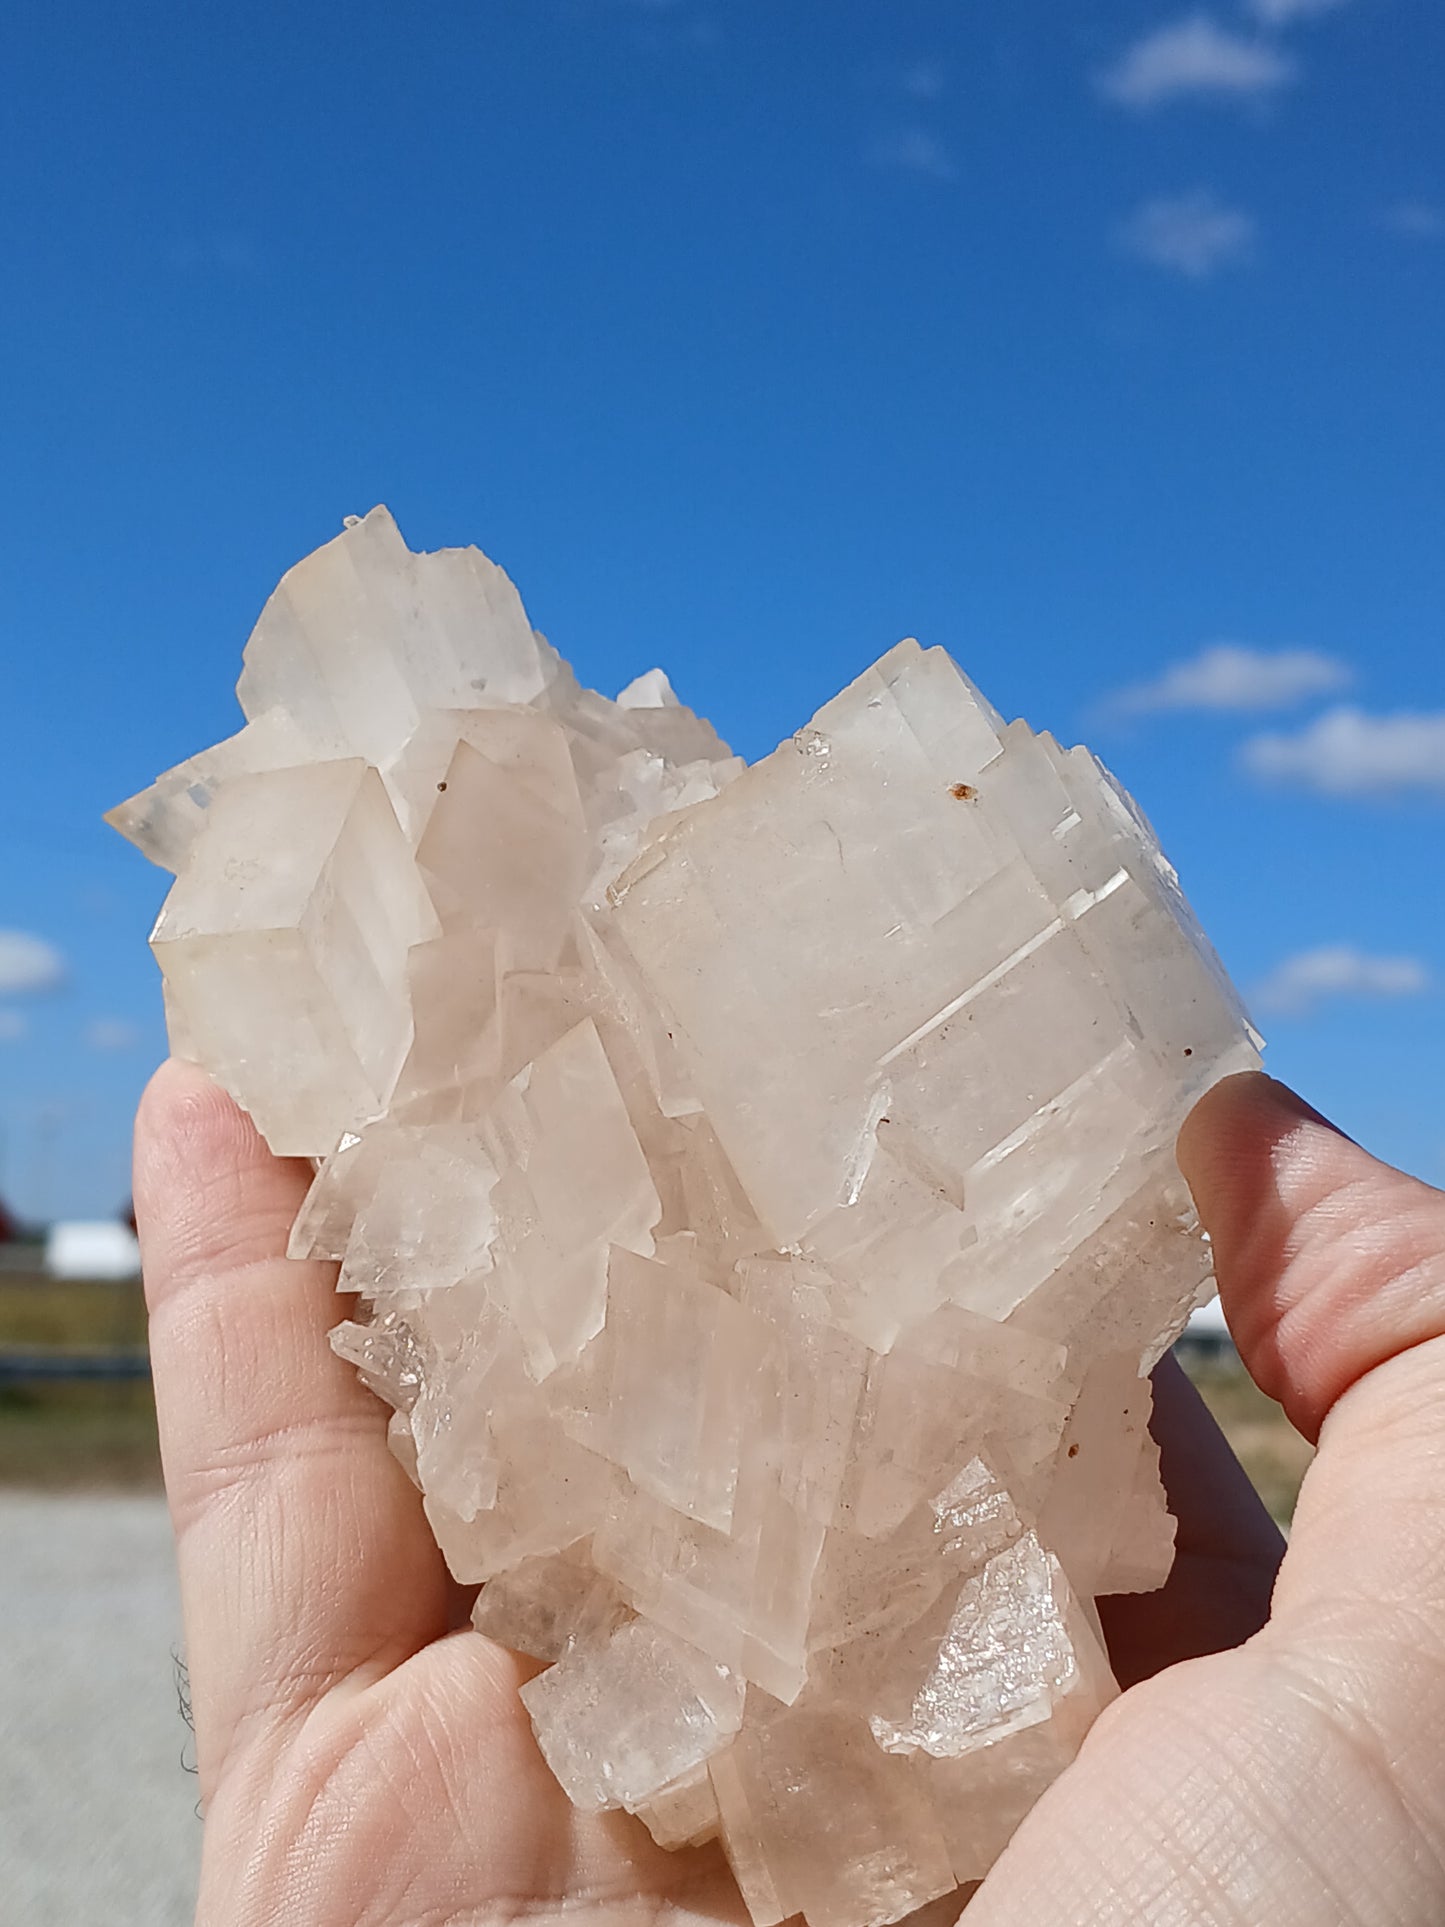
(1100, 343)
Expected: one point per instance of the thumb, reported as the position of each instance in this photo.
(1330, 1263)
(1332, 1274)
(1294, 1779)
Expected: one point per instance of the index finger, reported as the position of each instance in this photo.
(304, 1555)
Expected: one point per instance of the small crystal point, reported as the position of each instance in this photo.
(758, 1185)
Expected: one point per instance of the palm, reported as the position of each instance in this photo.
(420, 1797)
(362, 1761)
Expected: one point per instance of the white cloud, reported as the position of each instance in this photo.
(659, 23)
(1230, 676)
(922, 81)
(12, 1026)
(916, 151)
(1348, 752)
(28, 963)
(1195, 58)
(1296, 986)
(1417, 220)
(1283, 13)
(111, 1034)
(1190, 234)
(224, 251)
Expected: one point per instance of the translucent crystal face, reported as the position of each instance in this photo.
(758, 1184)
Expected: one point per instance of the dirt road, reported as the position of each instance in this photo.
(97, 1814)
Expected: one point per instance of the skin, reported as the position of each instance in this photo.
(363, 1761)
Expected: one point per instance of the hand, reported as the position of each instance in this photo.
(363, 1761)
(1295, 1781)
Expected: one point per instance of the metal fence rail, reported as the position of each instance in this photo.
(24, 1260)
(36, 1364)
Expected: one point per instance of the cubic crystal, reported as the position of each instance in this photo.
(757, 1186)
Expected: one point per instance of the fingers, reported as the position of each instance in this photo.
(1329, 1262)
(304, 1555)
(1294, 1779)
(426, 1799)
(1332, 1272)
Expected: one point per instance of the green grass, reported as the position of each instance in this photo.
(104, 1435)
(74, 1315)
(97, 1436)
(1265, 1443)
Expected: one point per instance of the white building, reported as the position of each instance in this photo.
(103, 1249)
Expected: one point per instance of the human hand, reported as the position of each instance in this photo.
(1295, 1781)
(363, 1761)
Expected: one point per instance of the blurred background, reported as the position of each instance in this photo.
(1099, 344)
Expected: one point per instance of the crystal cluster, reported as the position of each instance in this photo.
(757, 1183)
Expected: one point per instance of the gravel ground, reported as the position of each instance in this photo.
(97, 1814)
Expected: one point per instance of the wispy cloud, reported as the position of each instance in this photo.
(1349, 752)
(1284, 13)
(224, 252)
(664, 23)
(914, 151)
(923, 80)
(12, 1026)
(1232, 676)
(1302, 982)
(28, 964)
(1194, 58)
(111, 1034)
(1417, 220)
(1193, 234)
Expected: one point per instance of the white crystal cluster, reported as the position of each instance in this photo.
(757, 1183)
